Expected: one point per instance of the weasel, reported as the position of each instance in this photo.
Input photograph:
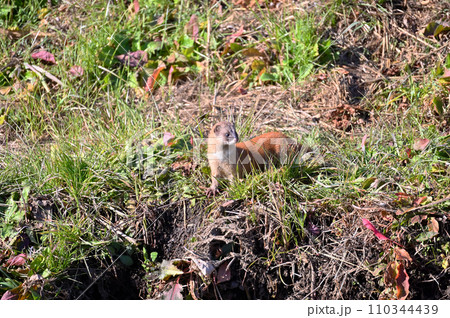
(229, 158)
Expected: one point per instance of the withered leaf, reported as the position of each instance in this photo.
(433, 225)
(136, 6)
(402, 280)
(402, 255)
(224, 273)
(363, 143)
(167, 138)
(174, 293)
(419, 201)
(417, 218)
(76, 71)
(18, 260)
(421, 144)
(192, 27)
(9, 296)
(133, 59)
(44, 56)
(390, 274)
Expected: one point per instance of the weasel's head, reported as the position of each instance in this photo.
(225, 132)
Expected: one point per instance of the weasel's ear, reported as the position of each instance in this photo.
(217, 129)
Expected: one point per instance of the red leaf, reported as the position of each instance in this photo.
(223, 274)
(408, 153)
(76, 71)
(421, 144)
(152, 78)
(44, 56)
(363, 143)
(136, 6)
(242, 91)
(418, 201)
(9, 296)
(402, 280)
(174, 293)
(167, 138)
(234, 36)
(402, 195)
(169, 77)
(377, 233)
(18, 260)
(133, 59)
(192, 27)
(231, 38)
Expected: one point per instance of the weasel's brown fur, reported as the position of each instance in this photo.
(229, 158)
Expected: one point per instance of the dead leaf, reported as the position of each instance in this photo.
(419, 201)
(252, 52)
(242, 90)
(136, 6)
(184, 166)
(5, 90)
(421, 144)
(44, 56)
(402, 255)
(169, 77)
(174, 293)
(152, 78)
(390, 274)
(18, 260)
(402, 280)
(386, 215)
(231, 38)
(417, 218)
(76, 71)
(167, 138)
(402, 196)
(342, 71)
(192, 27)
(321, 76)
(313, 229)
(133, 59)
(363, 143)
(161, 20)
(16, 34)
(224, 273)
(9, 296)
(433, 225)
(206, 268)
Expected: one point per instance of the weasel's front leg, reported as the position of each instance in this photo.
(214, 188)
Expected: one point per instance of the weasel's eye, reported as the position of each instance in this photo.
(227, 135)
